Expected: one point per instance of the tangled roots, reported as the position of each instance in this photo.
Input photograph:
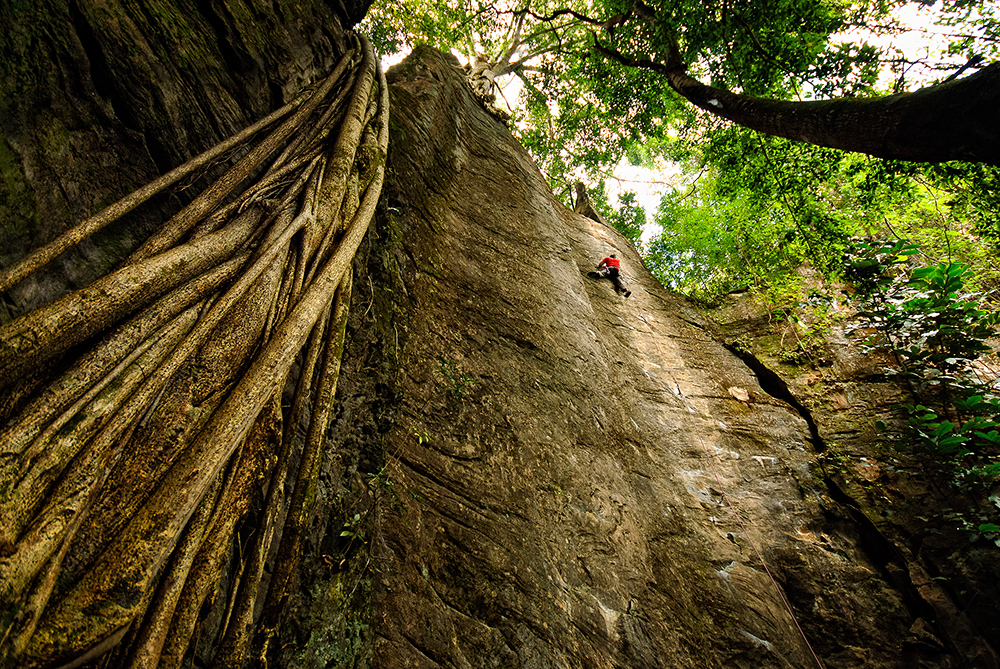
(142, 412)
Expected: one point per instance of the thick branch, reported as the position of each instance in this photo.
(955, 120)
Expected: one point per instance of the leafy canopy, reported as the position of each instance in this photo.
(747, 209)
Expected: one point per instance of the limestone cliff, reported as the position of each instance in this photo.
(596, 481)
(524, 469)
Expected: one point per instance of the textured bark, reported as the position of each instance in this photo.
(99, 99)
(956, 120)
(131, 456)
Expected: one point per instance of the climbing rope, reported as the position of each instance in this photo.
(728, 502)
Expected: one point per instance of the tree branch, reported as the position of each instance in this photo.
(919, 126)
(564, 12)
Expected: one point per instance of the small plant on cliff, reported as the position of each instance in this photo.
(457, 385)
(353, 528)
(813, 317)
(938, 333)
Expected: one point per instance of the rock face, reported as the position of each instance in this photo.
(909, 506)
(595, 481)
(525, 470)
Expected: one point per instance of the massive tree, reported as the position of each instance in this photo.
(143, 413)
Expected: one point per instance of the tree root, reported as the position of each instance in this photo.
(154, 410)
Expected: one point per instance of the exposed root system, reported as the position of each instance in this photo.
(141, 414)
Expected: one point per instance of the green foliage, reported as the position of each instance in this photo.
(927, 319)
(353, 528)
(719, 238)
(813, 317)
(457, 385)
(974, 26)
(580, 114)
(972, 192)
(870, 267)
(938, 333)
(422, 436)
(393, 26)
(704, 247)
(628, 217)
(758, 208)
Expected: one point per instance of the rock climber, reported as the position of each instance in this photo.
(609, 269)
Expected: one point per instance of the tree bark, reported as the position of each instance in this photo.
(125, 476)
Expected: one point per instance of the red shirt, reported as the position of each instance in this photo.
(610, 262)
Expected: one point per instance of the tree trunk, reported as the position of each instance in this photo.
(955, 120)
(142, 410)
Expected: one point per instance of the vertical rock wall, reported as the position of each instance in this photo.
(584, 480)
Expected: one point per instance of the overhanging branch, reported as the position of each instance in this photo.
(954, 120)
